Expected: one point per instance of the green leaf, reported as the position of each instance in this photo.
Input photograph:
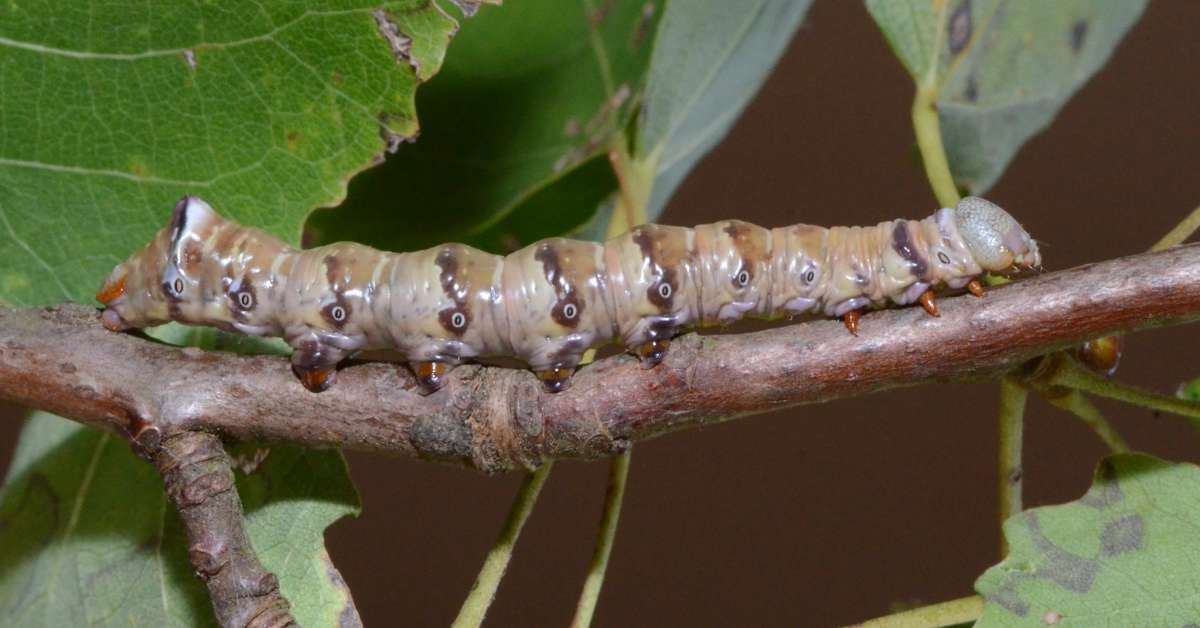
(108, 116)
(531, 95)
(1001, 70)
(1122, 555)
(517, 126)
(90, 538)
(710, 59)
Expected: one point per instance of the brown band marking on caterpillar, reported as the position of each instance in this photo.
(552, 300)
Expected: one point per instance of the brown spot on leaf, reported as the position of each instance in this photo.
(1008, 599)
(1065, 569)
(644, 24)
(1079, 33)
(400, 44)
(596, 18)
(597, 131)
(391, 139)
(960, 28)
(1122, 535)
(470, 7)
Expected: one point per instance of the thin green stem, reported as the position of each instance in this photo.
(633, 190)
(480, 598)
(928, 128)
(1181, 232)
(1083, 408)
(929, 140)
(1071, 374)
(618, 472)
(958, 611)
(1012, 428)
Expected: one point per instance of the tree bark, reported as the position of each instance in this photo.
(490, 418)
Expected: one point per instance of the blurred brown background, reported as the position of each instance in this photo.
(827, 514)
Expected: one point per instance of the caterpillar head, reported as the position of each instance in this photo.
(995, 239)
(154, 284)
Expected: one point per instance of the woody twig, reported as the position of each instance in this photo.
(493, 419)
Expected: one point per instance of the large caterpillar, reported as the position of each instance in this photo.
(552, 300)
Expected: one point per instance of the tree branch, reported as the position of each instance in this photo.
(198, 477)
(60, 359)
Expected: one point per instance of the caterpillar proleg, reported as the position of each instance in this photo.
(549, 302)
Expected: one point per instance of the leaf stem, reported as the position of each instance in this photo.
(1180, 232)
(928, 128)
(480, 598)
(1070, 374)
(632, 192)
(1079, 405)
(929, 140)
(960, 611)
(630, 212)
(618, 472)
(1012, 428)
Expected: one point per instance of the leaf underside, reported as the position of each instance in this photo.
(90, 538)
(1124, 554)
(710, 59)
(1001, 70)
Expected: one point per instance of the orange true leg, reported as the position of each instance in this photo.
(975, 288)
(928, 303)
(851, 321)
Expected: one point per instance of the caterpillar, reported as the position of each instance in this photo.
(549, 302)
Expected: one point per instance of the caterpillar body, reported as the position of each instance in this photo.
(552, 300)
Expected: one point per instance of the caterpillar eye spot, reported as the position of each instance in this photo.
(245, 300)
(664, 290)
(177, 286)
(338, 313)
(943, 258)
(743, 278)
(810, 276)
(458, 320)
(569, 310)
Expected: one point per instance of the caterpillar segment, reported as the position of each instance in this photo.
(548, 303)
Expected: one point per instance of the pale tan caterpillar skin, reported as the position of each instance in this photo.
(550, 301)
